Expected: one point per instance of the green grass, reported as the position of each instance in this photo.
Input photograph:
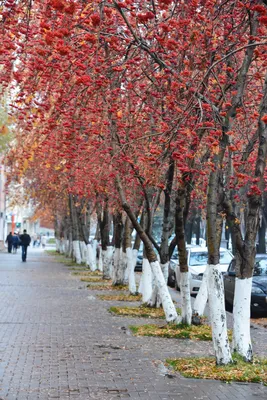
(107, 286)
(141, 311)
(97, 279)
(180, 331)
(120, 297)
(51, 241)
(206, 368)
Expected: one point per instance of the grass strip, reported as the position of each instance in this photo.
(120, 297)
(97, 279)
(142, 312)
(106, 286)
(84, 272)
(206, 368)
(180, 331)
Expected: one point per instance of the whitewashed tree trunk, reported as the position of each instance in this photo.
(152, 302)
(146, 289)
(202, 296)
(100, 260)
(186, 298)
(111, 259)
(241, 316)
(107, 256)
(94, 250)
(66, 244)
(77, 251)
(125, 268)
(131, 261)
(218, 315)
(61, 246)
(58, 245)
(167, 303)
(165, 270)
(90, 258)
(117, 278)
(83, 251)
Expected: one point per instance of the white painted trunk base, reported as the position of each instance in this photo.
(241, 316)
(165, 270)
(131, 256)
(118, 267)
(94, 248)
(58, 245)
(107, 257)
(146, 285)
(76, 251)
(186, 298)
(90, 258)
(167, 303)
(100, 260)
(61, 246)
(202, 296)
(218, 315)
(83, 251)
(125, 268)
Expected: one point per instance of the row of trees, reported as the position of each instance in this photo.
(121, 105)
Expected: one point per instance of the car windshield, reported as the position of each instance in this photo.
(201, 258)
(260, 267)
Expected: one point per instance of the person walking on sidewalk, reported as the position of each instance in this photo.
(25, 241)
(15, 243)
(9, 241)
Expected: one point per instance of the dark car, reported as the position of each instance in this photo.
(139, 261)
(172, 265)
(259, 286)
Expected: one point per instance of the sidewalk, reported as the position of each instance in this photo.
(57, 341)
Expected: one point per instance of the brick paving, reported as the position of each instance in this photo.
(58, 341)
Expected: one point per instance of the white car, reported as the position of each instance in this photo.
(197, 259)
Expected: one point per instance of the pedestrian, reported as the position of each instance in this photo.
(9, 241)
(15, 243)
(25, 241)
(43, 241)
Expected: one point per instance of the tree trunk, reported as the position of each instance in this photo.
(75, 230)
(103, 221)
(262, 230)
(118, 273)
(182, 253)
(167, 303)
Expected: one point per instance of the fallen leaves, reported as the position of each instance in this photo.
(142, 311)
(106, 286)
(206, 368)
(120, 297)
(181, 331)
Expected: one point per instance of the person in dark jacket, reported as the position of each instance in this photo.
(25, 241)
(9, 241)
(15, 243)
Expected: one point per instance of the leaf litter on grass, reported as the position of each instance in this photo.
(120, 297)
(107, 286)
(180, 331)
(206, 368)
(141, 311)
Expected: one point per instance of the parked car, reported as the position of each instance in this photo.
(197, 259)
(139, 262)
(259, 286)
(172, 265)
